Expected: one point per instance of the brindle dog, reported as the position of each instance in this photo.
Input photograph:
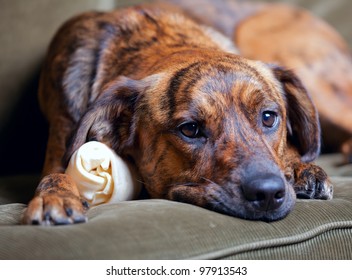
(201, 124)
(292, 37)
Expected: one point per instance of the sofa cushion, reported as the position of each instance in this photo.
(160, 229)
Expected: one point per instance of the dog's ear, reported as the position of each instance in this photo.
(111, 118)
(302, 117)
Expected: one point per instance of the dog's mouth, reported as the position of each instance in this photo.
(250, 210)
(233, 201)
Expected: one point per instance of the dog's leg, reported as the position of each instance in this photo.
(63, 96)
(57, 200)
(309, 181)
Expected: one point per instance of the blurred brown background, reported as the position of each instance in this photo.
(26, 28)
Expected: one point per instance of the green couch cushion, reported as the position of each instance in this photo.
(160, 229)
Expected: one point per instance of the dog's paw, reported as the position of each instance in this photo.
(55, 210)
(311, 182)
(56, 203)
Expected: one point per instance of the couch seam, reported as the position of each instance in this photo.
(271, 243)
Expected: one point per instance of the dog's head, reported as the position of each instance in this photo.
(215, 131)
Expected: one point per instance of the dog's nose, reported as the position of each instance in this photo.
(265, 192)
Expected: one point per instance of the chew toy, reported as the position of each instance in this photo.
(101, 175)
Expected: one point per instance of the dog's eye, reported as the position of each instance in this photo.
(269, 118)
(190, 129)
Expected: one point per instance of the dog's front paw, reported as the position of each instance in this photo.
(56, 203)
(311, 182)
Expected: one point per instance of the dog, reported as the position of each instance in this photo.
(294, 38)
(201, 123)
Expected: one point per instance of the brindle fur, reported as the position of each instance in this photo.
(294, 38)
(130, 77)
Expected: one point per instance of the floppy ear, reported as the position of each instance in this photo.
(302, 116)
(111, 118)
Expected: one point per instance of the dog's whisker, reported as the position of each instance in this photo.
(222, 189)
(187, 184)
(209, 181)
(140, 181)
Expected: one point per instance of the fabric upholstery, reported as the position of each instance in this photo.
(160, 229)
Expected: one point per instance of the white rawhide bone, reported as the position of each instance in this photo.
(101, 175)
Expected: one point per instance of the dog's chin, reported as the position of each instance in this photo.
(246, 210)
(226, 204)
(248, 213)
